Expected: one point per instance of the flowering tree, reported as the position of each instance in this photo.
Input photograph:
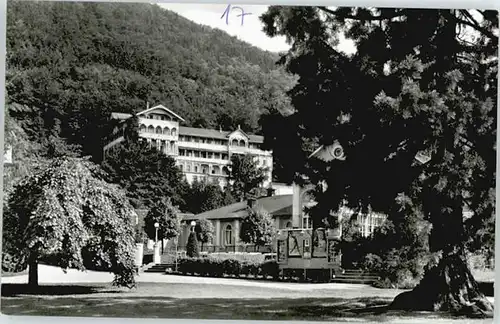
(165, 214)
(205, 231)
(66, 214)
(257, 228)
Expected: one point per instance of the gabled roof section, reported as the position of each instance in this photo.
(239, 130)
(280, 205)
(161, 107)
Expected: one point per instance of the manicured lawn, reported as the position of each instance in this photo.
(204, 301)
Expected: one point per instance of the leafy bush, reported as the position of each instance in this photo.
(270, 269)
(478, 261)
(398, 251)
(242, 257)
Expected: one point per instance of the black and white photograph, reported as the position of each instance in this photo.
(249, 162)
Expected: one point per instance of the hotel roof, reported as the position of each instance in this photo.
(212, 133)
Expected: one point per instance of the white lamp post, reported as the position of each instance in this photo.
(156, 232)
(193, 224)
(156, 255)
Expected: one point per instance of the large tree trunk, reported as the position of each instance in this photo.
(33, 271)
(448, 286)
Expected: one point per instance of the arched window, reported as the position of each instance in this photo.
(174, 131)
(166, 131)
(151, 129)
(288, 225)
(228, 235)
(234, 142)
(158, 130)
(142, 128)
(242, 143)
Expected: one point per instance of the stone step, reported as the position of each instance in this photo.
(354, 277)
(353, 281)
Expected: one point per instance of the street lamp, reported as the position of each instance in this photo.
(157, 225)
(193, 224)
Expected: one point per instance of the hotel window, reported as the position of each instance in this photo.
(151, 129)
(174, 131)
(234, 142)
(264, 162)
(216, 156)
(228, 235)
(181, 167)
(143, 128)
(241, 143)
(209, 141)
(195, 168)
(288, 225)
(195, 178)
(210, 155)
(196, 154)
(204, 155)
(196, 140)
(182, 152)
(188, 168)
(166, 131)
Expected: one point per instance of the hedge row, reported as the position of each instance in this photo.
(212, 267)
(242, 257)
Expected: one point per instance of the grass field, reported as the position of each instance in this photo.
(167, 296)
(177, 300)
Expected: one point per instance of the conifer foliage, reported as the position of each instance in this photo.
(418, 85)
(192, 248)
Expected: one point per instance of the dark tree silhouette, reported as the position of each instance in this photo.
(417, 86)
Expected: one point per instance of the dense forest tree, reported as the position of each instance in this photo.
(422, 83)
(66, 215)
(246, 176)
(167, 217)
(71, 64)
(202, 196)
(145, 173)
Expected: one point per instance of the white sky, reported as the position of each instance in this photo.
(251, 31)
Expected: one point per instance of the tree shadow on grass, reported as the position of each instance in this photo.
(119, 305)
(14, 290)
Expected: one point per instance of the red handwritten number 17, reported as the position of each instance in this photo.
(228, 9)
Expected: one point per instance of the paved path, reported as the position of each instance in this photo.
(49, 274)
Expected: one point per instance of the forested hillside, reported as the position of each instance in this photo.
(70, 64)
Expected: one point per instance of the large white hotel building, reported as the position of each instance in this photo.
(200, 153)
